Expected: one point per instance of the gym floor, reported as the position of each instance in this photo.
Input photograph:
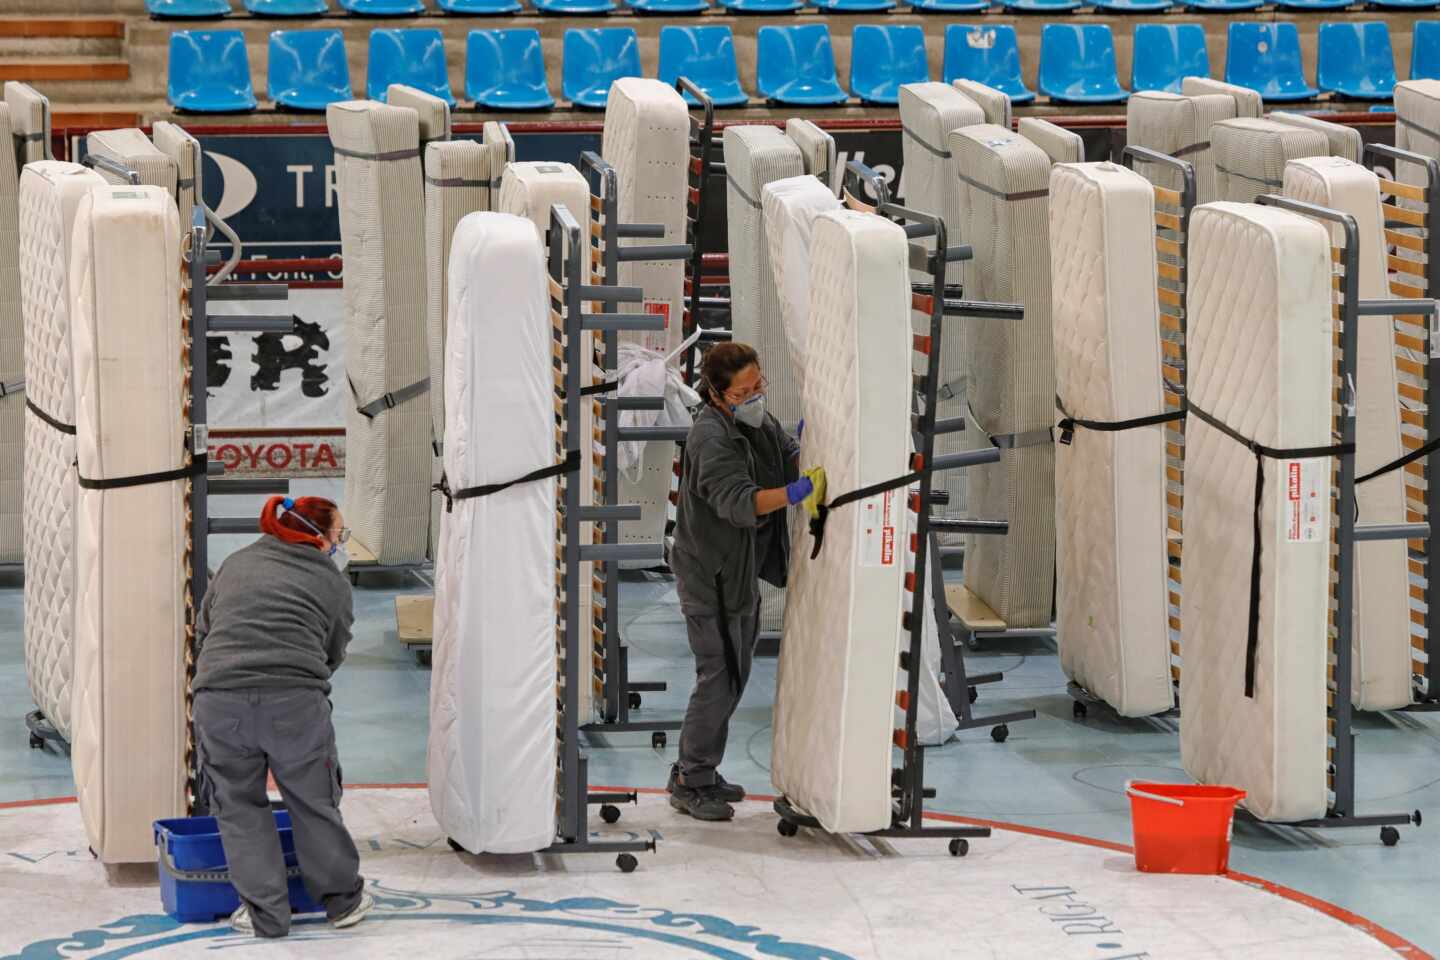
(1054, 772)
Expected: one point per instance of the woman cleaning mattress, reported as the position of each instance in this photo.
(741, 471)
(272, 630)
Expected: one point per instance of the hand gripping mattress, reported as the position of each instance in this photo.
(1247, 102)
(1010, 371)
(1059, 144)
(1178, 126)
(836, 682)
(1343, 141)
(134, 150)
(1382, 652)
(817, 149)
(460, 177)
(790, 208)
(491, 755)
(382, 239)
(1250, 155)
(995, 103)
(1110, 517)
(131, 543)
(12, 355)
(29, 121)
(50, 194)
(183, 149)
(529, 190)
(1260, 361)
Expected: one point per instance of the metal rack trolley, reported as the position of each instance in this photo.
(706, 160)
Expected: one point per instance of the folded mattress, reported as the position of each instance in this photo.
(790, 208)
(50, 195)
(1111, 598)
(29, 121)
(836, 680)
(1381, 635)
(995, 103)
(647, 140)
(491, 753)
(434, 113)
(184, 151)
(133, 150)
(12, 356)
(1417, 125)
(817, 149)
(1059, 144)
(460, 177)
(1010, 371)
(1343, 141)
(382, 238)
(1248, 103)
(1250, 155)
(1178, 126)
(1260, 362)
(131, 543)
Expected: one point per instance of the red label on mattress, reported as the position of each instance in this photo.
(1304, 505)
(876, 517)
(662, 307)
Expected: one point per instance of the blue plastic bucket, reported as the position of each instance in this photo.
(194, 877)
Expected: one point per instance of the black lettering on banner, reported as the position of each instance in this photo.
(217, 361)
(272, 359)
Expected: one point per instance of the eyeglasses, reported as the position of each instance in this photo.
(344, 535)
(760, 387)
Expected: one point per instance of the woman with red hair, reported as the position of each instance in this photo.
(273, 628)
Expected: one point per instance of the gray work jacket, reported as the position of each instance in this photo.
(719, 542)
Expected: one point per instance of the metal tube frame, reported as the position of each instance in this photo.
(698, 171)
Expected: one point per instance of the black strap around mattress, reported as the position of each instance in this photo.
(741, 190)
(197, 467)
(1022, 195)
(606, 386)
(462, 182)
(387, 401)
(817, 522)
(1068, 423)
(1398, 462)
(1193, 148)
(1252, 639)
(570, 464)
(1415, 126)
(58, 425)
(942, 154)
(29, 137)
(381, 157)
(1245, 176)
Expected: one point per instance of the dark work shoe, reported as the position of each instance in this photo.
(673, 779)
(702, 803)
(727, 791)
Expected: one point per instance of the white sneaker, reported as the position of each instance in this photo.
(240, 921)
(356, 914)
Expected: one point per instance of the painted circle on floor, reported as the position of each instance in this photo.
(736, 891)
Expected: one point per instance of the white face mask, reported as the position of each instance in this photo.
(751, 412)
(341, 556)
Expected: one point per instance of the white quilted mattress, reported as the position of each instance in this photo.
(178, 145)
(1178, 126)
(460, 177)
(995, 103)
(491, 758)
(1260, 361)
(132, 148)
(1343, 141)
(50, 194)
(1250, 155)
(837, 677)
(1010, 371)
(29, 119)
(647, 141)
(131, 544)
(1382, 652)
(1417, 124)
(12, 354)
(1110, 516)
(817, 148)
(382, 238)
(791, 206)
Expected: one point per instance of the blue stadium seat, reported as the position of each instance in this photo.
(210, 72)
(293, 8)
(1042, 6)
(1167, 52)
(505, 70)
(988, 55)
(1266, 58)
(1132, 6)
(949, 6)
(853, 6)
(882, 58)
(187, 9)
(1312, 4)
(308, 69)
(413, 57)
(574, 7)
(762, 6)
(383, 8)
(481, 7)
(797, 65)
(1222, 6)
(1383, 108)
(1406, 4)
(594, 59)
(706, 57)
(1355, 60)
(1077, 64)
(1425, 50)
(673, 6)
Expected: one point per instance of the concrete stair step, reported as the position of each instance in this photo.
(78, 69)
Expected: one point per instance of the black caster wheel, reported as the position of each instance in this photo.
(1079, 710)
(610, 813)
(1416, 819)
(786, 828)
(972, 643)
(634, 700)
(974, 694)
(1389, 836)
(627, 862)
(657, 740)
(422, 657)
(959, 847)
(37, 742)
(1000, 734)
(454, 846)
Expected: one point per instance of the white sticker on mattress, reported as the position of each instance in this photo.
(1303, 504)
(876, 517)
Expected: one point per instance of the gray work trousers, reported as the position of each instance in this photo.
(719, 683)
(243, 733)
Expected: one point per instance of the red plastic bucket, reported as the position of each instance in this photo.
(1182, 828)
